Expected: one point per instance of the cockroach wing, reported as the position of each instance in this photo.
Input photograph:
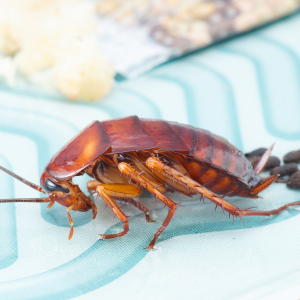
(81, 151)
(128, 134)
(215, 151)
(166, 138)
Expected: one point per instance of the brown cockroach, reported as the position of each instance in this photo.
(128, 154)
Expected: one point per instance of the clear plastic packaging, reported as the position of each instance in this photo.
(137, 35)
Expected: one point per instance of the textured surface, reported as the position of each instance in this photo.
(246, 90)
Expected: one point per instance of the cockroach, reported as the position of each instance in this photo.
(125, 155)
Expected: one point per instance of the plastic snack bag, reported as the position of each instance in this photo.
(137, 35)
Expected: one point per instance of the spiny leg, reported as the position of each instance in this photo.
(70, 221)
(102, 191)
(94, 208)
(268, 212)
(139, 206)
(158, 166)
(143, 180)
(92, 184)
(124, 193)
(161, 169)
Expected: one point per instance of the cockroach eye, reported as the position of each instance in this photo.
(51, 186)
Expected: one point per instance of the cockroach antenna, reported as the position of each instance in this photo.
(32, 185)
(37, 200)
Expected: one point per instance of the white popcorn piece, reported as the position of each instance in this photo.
(80, 71)
(7, 70)
(34, 31)
(10, 33)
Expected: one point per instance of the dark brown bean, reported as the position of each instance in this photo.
(257, 152)
(287, 169)
(294, 181)
(293, 156)
(272, 162)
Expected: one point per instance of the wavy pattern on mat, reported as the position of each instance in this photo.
(104, 262)
(280, 96)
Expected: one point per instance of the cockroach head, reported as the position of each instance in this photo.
(64, 192)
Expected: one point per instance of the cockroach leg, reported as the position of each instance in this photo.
(231, 209)
(115, 159)
(122, 192)
(148, 185)
(228, 193)
(208, 182)
(189, 171)
(92, 184)
(202, 196)
(50, 204)
(116, 210)
(184, 180)
(104, 207)
(140, 207)
(247, 212)
(70, 221)
(94, 209)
